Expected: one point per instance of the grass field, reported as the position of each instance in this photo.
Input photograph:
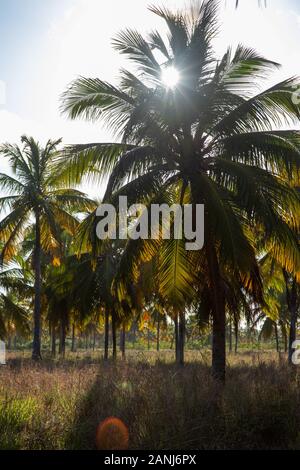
(58, 404)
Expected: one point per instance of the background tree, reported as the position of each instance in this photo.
(33, 194)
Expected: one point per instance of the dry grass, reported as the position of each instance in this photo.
(57, 405)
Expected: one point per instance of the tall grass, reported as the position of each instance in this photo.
(58, 405)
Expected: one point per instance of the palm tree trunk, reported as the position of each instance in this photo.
(276, 336)
(94, 338)
(283, 328)
(114, 335)
(181, 338)
(219, 323)
(62, 347)
(293, 322)
(218, 347)
(36, 350)
(106, 335)
(148, 338)
(236, 336)
(73, 347)
(122, 341)
(176, 336)
(291, 297)
(53, 342)
(158, 335)
(134, 333)
(230, 333)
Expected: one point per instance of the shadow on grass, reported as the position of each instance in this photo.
(169, 408)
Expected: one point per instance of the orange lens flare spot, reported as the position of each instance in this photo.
(112, 434)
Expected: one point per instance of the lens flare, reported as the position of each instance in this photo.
(112, 434)
(170, 77)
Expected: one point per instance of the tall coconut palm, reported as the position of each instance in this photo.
(32, 195)
(196, 126)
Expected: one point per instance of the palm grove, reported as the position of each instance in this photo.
(212, 139)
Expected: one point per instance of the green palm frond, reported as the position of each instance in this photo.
(94, 161)
(10, 184)
(12, 312)
(92, 98)
(276, 150)
(156, 42)
(272, 107)
(133, 45)
(11, 229)
(239, 73)
(177, 27)
(175, 273)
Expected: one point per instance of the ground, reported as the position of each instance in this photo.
(59, 404)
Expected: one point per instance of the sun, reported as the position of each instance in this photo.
(170, 77)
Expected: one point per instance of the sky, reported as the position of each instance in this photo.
(45, 44)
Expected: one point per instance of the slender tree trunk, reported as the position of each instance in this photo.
(94, 338)
(158, 335)
(284, 334)
(276, 336)
(293, 325)
(122, 341)
(36, 350)
(218, 347)
(230, 333)
(176, 337)
(50, 335)
(134, 334)
(291, 297)
(62, 348)
(73, 347)
(236, 336)
(114, 335)
(181, 338)
(148, 338)
(53, 342)
(219, 324)
(106, 335)
(59, 342)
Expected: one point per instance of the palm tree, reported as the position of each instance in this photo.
(33, 196)
(209, 138)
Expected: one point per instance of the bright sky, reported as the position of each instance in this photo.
(44, 44)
